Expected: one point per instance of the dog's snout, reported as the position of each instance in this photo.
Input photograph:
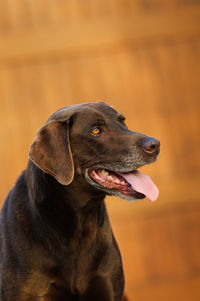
(150, 145)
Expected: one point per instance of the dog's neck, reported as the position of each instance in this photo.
(45, 188)
(64, 207)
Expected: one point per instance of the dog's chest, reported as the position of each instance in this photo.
(54, 282)
(73, 269)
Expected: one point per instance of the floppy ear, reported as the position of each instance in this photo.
(51, 151)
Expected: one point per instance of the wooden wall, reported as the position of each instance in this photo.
(142, 57)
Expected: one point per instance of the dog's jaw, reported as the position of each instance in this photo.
(129, 185)
(110, 185)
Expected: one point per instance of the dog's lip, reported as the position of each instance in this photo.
(127, 183)
(123, 187)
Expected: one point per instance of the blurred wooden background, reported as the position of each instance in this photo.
(143, 57)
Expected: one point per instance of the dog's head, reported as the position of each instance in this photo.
(92, 141)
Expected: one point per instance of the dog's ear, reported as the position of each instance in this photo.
(51, 151)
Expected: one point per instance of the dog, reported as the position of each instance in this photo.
(56, 240)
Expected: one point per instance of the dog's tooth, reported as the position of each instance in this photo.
(104, 172)
(117, 181)
(123, 183)
(110, 178)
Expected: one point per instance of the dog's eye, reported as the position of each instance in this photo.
(96, 131)
(123, 122)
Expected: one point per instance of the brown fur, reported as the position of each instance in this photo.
(56, 241)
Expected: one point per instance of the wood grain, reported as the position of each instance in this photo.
(142, 57)
(67, 38)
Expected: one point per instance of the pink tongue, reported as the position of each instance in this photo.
(143, 184)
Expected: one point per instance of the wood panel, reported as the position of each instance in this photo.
(142, 57)
(98, 34)
(156, 255)
(15, 15)
(136, 81)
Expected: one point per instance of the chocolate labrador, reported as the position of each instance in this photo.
(56, 241)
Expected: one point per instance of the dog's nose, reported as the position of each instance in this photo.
(150, 145)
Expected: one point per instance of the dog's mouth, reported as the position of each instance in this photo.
(131, 185)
